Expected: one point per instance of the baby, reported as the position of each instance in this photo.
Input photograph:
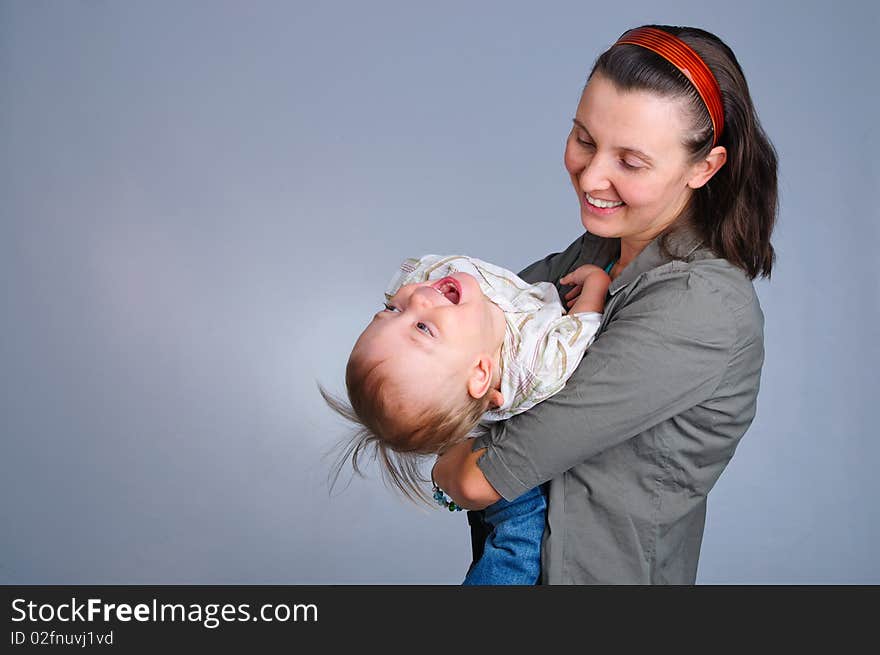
(460, 341)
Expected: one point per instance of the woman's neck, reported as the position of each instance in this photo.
(629, 250)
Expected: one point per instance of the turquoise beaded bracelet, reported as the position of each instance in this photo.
(441, 499)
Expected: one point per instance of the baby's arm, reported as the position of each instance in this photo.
(590, 288)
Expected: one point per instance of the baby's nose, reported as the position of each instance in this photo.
(424, 296)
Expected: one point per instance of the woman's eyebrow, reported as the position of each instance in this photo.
(580, 125)
(638, 153)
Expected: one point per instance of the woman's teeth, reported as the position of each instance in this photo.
(603, 204)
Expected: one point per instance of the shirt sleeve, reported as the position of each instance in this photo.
(664, 351)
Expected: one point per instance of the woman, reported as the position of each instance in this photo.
(677, 188)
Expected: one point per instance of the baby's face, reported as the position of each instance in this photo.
(432, 333)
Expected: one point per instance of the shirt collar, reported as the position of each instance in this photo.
(681, 243)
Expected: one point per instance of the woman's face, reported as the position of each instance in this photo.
(627, 161)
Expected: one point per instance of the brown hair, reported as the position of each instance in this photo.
(735, 211)
(398, 440)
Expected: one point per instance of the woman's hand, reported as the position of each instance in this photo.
(590, 288)
(456, 472)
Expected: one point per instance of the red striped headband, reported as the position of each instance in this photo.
(684, 58)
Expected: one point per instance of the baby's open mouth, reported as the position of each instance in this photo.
(449, 288)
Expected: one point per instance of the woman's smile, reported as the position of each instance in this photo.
(600, 206)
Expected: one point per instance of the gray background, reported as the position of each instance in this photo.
(200, 203)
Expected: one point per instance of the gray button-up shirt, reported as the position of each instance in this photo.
(646, 425)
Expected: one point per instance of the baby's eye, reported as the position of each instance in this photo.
(424, 328)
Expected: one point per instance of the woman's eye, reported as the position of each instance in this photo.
(390, 308)
(424, 328)
(631, 166)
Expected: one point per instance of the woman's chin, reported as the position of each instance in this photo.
(601, 226)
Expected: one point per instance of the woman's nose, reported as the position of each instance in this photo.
(594, 176)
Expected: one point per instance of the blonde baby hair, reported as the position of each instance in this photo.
(397, 436)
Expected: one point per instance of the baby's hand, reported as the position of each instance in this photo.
(590, 287)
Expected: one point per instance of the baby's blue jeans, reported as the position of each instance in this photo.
(512, 550)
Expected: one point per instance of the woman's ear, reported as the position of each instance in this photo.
(706, 168)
